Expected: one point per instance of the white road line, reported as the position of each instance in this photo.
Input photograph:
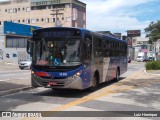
(2, 71)
(5, 80)
(15, 79)
(15, 74)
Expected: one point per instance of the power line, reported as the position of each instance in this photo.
(56, 12)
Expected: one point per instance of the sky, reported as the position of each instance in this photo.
(121, 15)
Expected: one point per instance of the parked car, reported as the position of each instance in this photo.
(140, 59)
(25, 64)
(150, 59)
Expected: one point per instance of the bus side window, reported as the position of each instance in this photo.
(87, 49)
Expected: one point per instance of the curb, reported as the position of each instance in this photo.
(151, 73)
(12, 91)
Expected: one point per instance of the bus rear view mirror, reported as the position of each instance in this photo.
(29, 46)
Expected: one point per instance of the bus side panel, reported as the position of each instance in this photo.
(106, 63)
(109, 74)
(123, 65)
(86, 76)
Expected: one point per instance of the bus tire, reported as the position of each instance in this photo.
(117, 75)
(94, 83)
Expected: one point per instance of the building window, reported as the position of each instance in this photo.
(0, 23)
(67, 5)
(23, 9)
(5, 10)
(47, 20)
(19, 21)
(49, 7)
(19, 9)
(52, 19)
(14, 10)
(23, 21)
(62, 18)
(16, 42)
(37, 20)
(10, 11)
(28, 21)
(33, 21)
(68, 19)
(84, 16)
(28, 9)
(42, 19)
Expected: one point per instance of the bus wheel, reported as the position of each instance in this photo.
(94, 84)
(117, 75)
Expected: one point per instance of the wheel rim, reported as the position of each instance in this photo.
(94, 82)
(117, 75)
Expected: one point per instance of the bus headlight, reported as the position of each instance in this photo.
(79, 73)
(76, 75)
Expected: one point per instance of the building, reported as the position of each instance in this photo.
(13, 41)
(44, 13)
(141, 45)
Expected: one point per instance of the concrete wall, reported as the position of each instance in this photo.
(14, 55)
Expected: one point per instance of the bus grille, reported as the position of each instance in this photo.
(54, 77)
(58, 84)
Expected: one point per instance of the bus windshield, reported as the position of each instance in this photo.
(57, 52)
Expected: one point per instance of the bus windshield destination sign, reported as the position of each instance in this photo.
(60, 33)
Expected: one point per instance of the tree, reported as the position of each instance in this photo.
(153, 31)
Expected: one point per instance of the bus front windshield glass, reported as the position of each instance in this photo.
(57, 52)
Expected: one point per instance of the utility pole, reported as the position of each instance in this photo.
(56, 12)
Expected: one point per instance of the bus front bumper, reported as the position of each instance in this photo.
(67, 83)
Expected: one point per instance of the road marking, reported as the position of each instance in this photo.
(4, 80)
(8, 75)
(15, 79)
(92, 97)
(14, 74)
(4, 71)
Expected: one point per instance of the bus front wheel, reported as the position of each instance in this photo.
(94, 84)
(117, 75)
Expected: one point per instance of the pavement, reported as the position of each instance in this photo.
(14, 86)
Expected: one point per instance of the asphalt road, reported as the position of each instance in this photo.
(136, 91)
(12, 78)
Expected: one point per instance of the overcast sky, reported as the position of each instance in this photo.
(121, 15)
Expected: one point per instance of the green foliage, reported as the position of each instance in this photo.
(153, 31)
(153, 65)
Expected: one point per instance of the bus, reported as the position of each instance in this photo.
(75, 58)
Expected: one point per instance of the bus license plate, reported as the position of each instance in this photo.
(52, 83)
